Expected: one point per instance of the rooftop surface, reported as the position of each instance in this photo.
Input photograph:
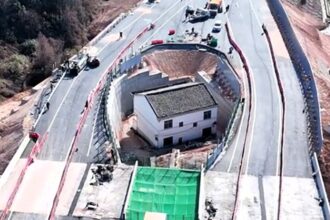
(179, 99)
(171, 191)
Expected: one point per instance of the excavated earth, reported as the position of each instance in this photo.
(175, 64)
(182, 63)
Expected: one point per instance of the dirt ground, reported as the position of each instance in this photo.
(183, 63)
(110, 10)
(316, 46)
(15, 123)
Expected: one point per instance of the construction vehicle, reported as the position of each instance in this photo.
(214, 7)
(77, 63)
(93, 62)
(199, 15)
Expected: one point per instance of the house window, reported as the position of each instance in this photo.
(181, 124)
(180, 140)
(207, 115)
(168, 141)
(168, 124)
(195, 124)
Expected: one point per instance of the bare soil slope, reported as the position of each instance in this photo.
(109, 11)
(15, 123)
(182, 63)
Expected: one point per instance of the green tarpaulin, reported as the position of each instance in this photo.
(171, 191)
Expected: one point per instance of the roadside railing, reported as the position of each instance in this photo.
(323, 200)
(214, 154)
(309, 90)
(305, 76)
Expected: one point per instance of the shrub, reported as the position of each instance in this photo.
(28, 47)
(15, 66)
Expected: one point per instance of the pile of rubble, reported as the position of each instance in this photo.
(210, 209)
(101, 174)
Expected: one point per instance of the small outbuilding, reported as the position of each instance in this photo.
(175, 114)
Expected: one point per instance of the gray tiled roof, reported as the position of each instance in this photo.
(179, 99)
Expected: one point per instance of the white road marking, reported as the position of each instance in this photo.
(51, 95)
(60, 106)
(126, 27)
(162, 15)
(94, 124)
(238, 134)
(160, 28)
(133, 22)
(278, 95)
(254, 108)
(254, 92)
(10, 215)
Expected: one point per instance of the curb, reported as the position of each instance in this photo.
(14, 160)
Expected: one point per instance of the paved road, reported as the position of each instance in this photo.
(262, 152)
(296, 156)
(263, 137)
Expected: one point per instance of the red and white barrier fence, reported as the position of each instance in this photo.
(34, 153)
(280, 86)
(245, 66)
(89, 103)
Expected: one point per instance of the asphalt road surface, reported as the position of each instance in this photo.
(263, 143)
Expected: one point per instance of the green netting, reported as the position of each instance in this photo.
(171, 191)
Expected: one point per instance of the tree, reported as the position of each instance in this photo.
(15, 67)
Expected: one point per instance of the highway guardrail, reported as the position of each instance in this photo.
(304, 73)
(324, 202)
(247, 70)
(309, 90)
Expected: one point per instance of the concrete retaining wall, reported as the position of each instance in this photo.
(120, 101)
(233, 79)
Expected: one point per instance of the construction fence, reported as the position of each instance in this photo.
(212, 157)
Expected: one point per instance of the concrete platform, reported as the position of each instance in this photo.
(39, 186)
(258, 197)
(110, 197)
(220, 188)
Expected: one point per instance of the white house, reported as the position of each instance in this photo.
(175, 114)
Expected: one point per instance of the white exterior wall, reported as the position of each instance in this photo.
(147, 123)
(149, 126)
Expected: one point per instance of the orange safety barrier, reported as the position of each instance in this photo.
(155, 42)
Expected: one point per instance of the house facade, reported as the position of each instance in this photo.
(176, 114)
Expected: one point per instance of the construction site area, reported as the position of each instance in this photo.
(189, 111)
(163, 69)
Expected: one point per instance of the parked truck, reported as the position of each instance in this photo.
(214, 7)
(77, 63)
